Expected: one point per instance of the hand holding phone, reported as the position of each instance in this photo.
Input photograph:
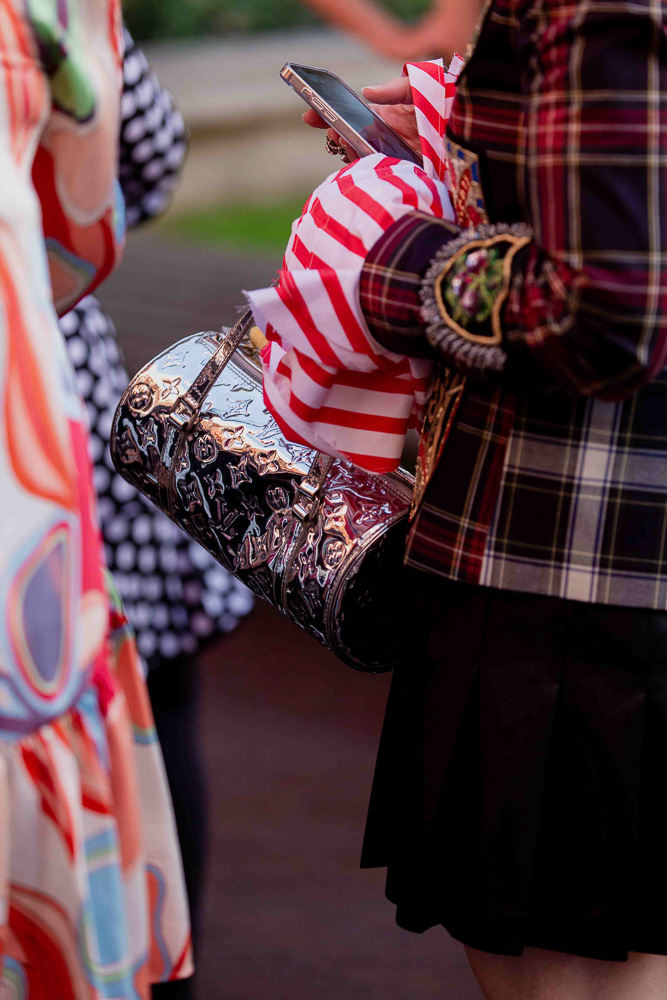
(336, 106)
(393, 101)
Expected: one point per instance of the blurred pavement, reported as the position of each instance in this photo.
(289, 736)
(165, 290)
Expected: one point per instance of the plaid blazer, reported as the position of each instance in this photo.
(551, 475)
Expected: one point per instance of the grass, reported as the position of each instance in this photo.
(243, 226)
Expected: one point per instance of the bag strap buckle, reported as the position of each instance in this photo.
(182, 413)
(310, 488)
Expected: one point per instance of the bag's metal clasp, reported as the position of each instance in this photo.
(182, 413)
(305, 500)
(310, 487)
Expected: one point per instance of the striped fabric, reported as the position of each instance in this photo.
(428, 80)
(327, 382)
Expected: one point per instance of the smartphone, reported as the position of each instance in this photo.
(335, 102)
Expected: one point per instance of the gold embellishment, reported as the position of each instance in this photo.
(464, 182)
(516, 243)
(438, 418)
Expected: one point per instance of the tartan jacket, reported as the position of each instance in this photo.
(550, 296)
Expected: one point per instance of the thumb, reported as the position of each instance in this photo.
(396, 91)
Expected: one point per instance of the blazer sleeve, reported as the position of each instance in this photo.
(575, 294)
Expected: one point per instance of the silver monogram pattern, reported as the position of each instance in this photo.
(329, 558)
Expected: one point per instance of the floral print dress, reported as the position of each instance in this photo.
(92, 902)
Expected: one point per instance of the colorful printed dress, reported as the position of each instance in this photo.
(92, 903)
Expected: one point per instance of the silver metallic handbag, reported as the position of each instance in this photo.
(318, 538)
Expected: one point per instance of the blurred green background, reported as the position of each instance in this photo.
(246, 225)
(156, 19)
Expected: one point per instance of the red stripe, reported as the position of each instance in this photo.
(431, 114)
(372, 463)
(430, 154)
(436, 204)
(409, 194)
(336, 230)
(339, 304)
(337, 297)
(362, 421)
(286, 428)
(315, 372)
(389, 384)
(335, 416)
(294, 301)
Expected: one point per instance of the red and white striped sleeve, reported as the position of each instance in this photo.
(327, 382)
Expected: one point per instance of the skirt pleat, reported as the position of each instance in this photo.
(519, 792)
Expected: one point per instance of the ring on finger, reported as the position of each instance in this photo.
(333, 147)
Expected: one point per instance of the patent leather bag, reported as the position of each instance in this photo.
(318, 538)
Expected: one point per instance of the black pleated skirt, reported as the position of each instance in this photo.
(520, 794)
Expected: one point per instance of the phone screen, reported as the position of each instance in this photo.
(352, 109)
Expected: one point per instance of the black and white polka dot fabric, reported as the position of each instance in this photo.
(153, 139)
(175, 595)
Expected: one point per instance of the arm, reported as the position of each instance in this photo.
(442, 31)
(577, 299)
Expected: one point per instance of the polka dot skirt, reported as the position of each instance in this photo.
(175, 595)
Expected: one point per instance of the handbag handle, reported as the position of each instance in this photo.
(186, 408)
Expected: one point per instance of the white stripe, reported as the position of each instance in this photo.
(429, 89)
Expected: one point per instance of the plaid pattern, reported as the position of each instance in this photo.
(554, 481)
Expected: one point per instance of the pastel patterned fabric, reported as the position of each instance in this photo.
(90, 854)
(327, 382)
(91, 895)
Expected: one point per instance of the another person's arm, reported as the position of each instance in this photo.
(444, 30)
(578, 299)
(153, 140)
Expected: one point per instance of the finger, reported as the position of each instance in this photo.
(311, 117)
(396, 91)
(350, 152)
(401, 117)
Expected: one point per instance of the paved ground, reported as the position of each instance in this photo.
(289, 737)
(164, 291)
